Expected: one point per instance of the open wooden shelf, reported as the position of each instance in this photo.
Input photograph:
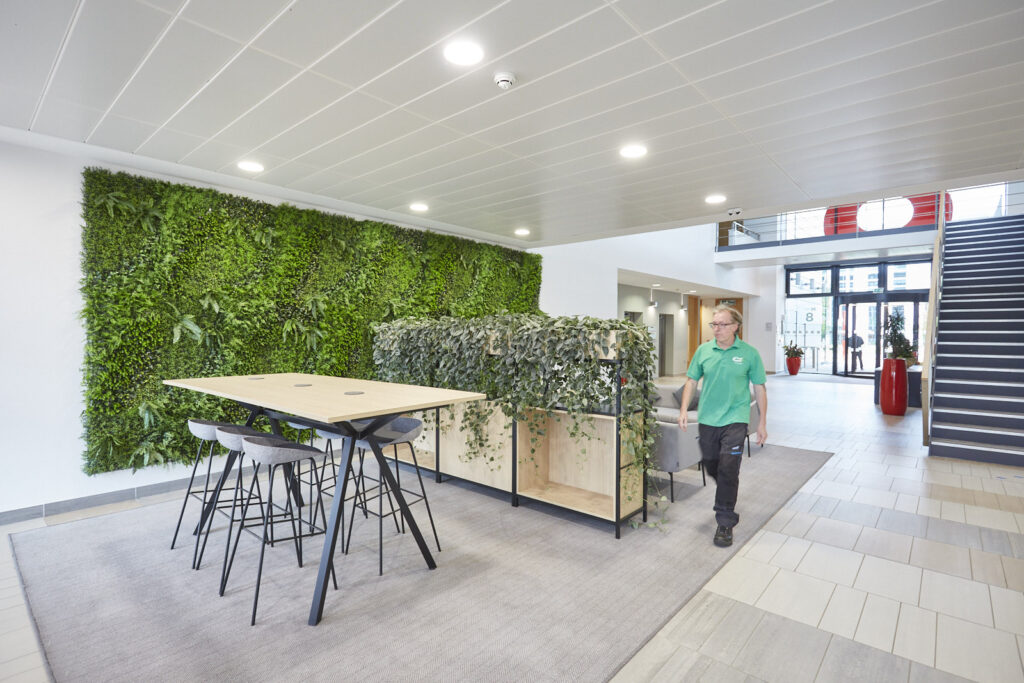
(573, 498)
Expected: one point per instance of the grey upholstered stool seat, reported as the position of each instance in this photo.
(230, 436)
(401, 430)
(206, 432)
(273, 453)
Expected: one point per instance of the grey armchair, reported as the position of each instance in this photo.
(676, 450)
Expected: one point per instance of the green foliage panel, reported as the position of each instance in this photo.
(180, 281)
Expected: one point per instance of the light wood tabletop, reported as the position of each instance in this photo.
(324, 398)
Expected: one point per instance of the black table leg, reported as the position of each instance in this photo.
(316, 610)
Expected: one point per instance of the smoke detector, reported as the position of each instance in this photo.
(504, 79)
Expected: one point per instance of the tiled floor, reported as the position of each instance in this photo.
(886, 566)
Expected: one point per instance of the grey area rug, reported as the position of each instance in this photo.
(528, 593)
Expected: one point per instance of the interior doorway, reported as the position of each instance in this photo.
(857, 338)
(666, 342)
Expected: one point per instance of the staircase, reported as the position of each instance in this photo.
(978, 403)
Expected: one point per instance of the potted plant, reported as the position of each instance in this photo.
(793, 355)
(892, 391)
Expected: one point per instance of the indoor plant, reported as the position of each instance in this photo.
(793, 355)
(892, 390)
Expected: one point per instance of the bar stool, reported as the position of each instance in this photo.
(273, 453)
(206, 433)
(398, 431)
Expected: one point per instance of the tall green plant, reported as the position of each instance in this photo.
(180, 281)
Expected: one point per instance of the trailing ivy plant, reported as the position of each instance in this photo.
(531, 366)
(180, 281)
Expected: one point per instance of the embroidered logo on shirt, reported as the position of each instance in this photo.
(738, 360)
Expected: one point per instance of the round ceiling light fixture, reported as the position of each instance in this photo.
(250, 166)
(418, 206)
(715, 198)
(463, 52)
(656, 284)
(522, 232)
(633, 151)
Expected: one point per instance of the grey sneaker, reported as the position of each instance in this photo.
(723, 537)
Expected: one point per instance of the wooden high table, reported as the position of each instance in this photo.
(332, 403)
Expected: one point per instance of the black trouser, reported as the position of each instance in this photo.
(721, 450)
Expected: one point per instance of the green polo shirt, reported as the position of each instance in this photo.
(728, 374)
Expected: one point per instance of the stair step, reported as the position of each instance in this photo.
(982, 279)
(994, 325)
(1013, 255)
(961, 401)
(993, 223)
(967, 450)
(981, 302)
(979, 434)
(982, 243)
(970, 296)
(981, 233)
(965, 372)
(972, 387)
(981, 289)
(989, 418)
(980, 360)
(982, 337)
(978, 314)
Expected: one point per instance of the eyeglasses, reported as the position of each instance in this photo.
(717, 325)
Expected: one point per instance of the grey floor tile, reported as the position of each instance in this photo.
(856, 513)
(996, 541)
(846, 660)
(954, 533)
(919, 673)
(1017, 544)
(824, 506)
(698, 619)
(722, 673)
(903, 523)
(781, 649)
(684, 665)
(728, 638)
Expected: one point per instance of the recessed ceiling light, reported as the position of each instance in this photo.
(522, 232)
(692, 291)
(463, 52)
(715, 198)
(656, 284)
(633, 151)
(418, 206)
(250, 166)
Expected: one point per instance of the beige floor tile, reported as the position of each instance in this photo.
(877, 626)
(1010, 504)
(915, 634)
(779, 520)
(1007, 609)
(847, 660)
(25, 669)
(799, 524)
(1013, 570)
(646, 663)
(780, 649)
(885, 544)
(834, 489)
(954, 512)
(987, 568)
(906, 502)
(742, 579)
(764, 546)
(18, 643)
(796, 596)
(915, 487)
(730, 636)
(717, 672)
(957, 597)
(889, 579)
(908, 473)
(941, 557)
(971, 482)
(986, 500)
(842, 614)
(976, 652)
(929, 506)
(994, 519)
(952, 494)
(944, 478)
(882, 498)
(790, 554)
(992, 486)
(683, 665)
(834, 532)
(830, 563)
(700, 616)
(869, 480)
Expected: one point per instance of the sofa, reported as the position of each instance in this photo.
(674, 449)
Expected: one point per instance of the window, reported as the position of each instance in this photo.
(858, 279)
(810, 281)
(910, 275)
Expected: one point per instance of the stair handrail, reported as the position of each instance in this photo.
(929, 345)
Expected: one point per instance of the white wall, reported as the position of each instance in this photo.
(669, 303)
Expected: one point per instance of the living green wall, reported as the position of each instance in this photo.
(180, 281)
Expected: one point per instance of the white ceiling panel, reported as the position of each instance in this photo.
(362, 139)
(245, 82)
(31, 33)
(169, 144)
(312, 28)
(108, 43)
(237, 19)
(278, 111)
(181, 64)
(119, 132)
(769, 102)
(409, 27)
(348, 113)
(506, 30)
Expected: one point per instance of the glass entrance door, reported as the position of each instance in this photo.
(857, 338)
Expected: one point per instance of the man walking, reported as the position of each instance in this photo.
(729, 366)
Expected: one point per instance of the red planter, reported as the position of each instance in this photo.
(793, 365)
(892, 390)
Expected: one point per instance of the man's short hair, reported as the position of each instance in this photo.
(737, 317)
